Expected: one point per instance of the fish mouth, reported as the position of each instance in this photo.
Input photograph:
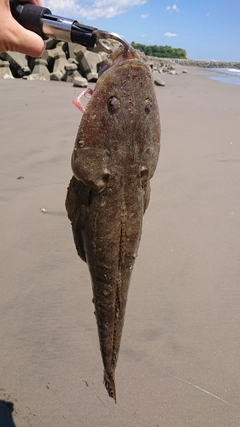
(118, 56)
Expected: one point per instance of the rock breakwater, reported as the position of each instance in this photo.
(68, 62)
(207, 63)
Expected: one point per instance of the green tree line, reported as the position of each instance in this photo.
(161, 51)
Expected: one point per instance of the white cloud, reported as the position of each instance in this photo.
(173, 8)
(144, 16)
(168, 34)
(91, 9)
(208, 14)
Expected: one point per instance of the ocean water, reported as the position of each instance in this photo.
(225, 75)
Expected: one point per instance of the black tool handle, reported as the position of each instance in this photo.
(29, 16)
(41, 21)
(83, 34)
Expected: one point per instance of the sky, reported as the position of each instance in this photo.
(206, 29)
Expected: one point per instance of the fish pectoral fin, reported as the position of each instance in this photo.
(77, 202)
(77, 236)
(91, 166)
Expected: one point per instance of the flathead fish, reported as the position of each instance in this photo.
(114, 157)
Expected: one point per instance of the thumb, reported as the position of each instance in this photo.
(19, 39)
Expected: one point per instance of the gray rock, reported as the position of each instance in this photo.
(7, 76)
(71, 49)
(207, 63)
(92, 77)
(35, 77)
(47, 54)
(184, 71)
(70, 66)
(72, 61)
(40, 68)
(5, 72)
(56, 75)
(159, 82)
(80, 81)
(18, 63)
(70, 70)
(51, 43)
(60, 60)
(88, 62)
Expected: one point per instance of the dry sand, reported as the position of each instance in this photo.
(179, 364)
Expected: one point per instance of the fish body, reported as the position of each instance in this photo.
(114, 157)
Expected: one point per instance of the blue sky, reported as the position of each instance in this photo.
(206, 29)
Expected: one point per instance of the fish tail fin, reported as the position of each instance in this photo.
(109, 383)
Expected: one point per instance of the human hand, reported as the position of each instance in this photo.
(16, 38)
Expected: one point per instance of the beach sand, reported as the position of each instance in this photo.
(179, 363)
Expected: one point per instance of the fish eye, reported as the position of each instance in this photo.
(147, 105)
(113, 104)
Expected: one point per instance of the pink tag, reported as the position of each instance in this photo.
(77, 101)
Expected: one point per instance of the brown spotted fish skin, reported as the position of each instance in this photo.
(115, 155)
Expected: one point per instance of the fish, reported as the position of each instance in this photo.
(114, 157)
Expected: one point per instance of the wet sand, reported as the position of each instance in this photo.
(179, 363)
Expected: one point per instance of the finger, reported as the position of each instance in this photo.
(24, 41)
(36, 2)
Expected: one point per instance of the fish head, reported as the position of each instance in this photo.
(124, 93)
(122, 112)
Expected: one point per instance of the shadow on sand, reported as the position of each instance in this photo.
(6, 410)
